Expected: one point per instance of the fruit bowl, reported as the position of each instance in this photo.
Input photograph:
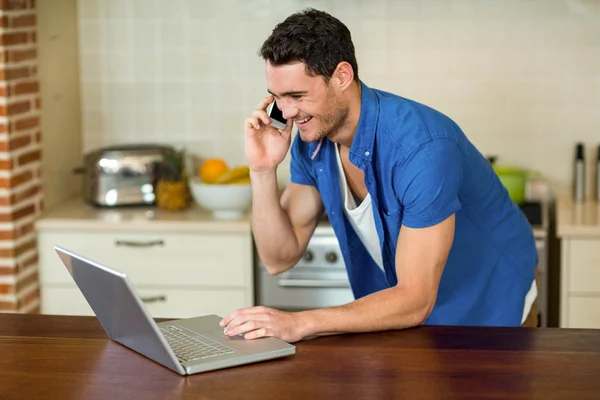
(225, 201)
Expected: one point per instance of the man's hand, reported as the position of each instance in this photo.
(257, 322)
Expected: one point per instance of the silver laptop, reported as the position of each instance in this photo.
(186, 346)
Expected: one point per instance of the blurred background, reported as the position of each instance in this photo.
(520, 77)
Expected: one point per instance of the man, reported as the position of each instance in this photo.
(427, 231)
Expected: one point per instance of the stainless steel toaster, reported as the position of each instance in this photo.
(123, 175)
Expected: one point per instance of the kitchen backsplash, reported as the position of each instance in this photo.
(522, 78)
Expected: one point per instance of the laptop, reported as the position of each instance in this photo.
(186, 346)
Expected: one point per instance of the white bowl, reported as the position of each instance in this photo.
(225, 201)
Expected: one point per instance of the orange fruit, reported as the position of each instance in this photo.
(212, 169)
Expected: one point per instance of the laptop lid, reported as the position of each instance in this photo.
(119, 309)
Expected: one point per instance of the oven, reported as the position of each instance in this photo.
(318, 280)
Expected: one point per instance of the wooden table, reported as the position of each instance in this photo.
(60, 357)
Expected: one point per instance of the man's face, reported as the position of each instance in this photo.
(313, 104)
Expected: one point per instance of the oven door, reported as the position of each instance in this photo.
(302, 290)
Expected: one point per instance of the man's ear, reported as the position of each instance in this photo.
(344, 75)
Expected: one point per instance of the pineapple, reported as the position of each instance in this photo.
(172, 192)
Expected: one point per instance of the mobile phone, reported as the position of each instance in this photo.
(276, 116)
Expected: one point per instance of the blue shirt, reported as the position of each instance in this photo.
(419, 169)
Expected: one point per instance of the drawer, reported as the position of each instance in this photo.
(584, 312)
(584, 265)
(154, 258)
(160, 303)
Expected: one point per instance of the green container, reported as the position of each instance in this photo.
(514, 180)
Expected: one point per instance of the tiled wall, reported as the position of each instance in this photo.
(521, 77)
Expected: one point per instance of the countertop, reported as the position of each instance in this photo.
(577, 219)
(67, 357)
(75, 215)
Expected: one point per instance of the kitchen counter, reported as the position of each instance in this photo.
(577, 219)
(76, 215)
(64, 357)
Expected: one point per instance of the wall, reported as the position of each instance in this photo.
(59, 76)
(21, 195)
(522, 78)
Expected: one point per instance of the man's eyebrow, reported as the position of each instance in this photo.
(291, 93)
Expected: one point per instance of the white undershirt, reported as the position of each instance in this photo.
(362, 220)
(360, 217)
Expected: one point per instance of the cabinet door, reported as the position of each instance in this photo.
(191, 260)
(584, 312)
(160, 303)
(583, 266)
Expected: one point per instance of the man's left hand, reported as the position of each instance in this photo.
(257, 322)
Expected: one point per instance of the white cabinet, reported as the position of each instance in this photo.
(578, 226)
(196, 270)
(580, 283)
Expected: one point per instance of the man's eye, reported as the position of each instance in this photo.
(296, 96)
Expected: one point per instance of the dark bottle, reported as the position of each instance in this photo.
(579, 175)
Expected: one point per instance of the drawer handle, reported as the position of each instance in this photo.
(130, 243)
(154, 299)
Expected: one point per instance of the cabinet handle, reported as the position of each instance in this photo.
(154, 299)
(130, 243)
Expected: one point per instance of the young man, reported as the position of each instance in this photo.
(427, 231)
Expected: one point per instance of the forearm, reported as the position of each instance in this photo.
(275, 239)
(393, 308)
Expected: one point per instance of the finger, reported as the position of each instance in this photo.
(246, 311)
(258, 333)
(243, 325)
(261, 115)
(252, 123)
(287, 132)
(265, 102)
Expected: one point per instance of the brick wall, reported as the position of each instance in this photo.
(21, 196)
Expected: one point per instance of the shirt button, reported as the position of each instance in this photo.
(367, 153)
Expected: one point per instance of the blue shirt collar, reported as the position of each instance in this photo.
(364, 137)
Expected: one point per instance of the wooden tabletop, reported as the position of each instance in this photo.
(60, 357)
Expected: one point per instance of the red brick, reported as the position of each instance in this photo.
(10, 74)
(8, 306)
(25, 194)
(27, 123)
(25, 87)
(7, 235)
(8, 271)
(29, 298)
(22, 21)
(29, 157)
(27, 263)
(21, 178)
(6, 165)
(25, 247)
(4, 91)
(22, 55)
(4, 22)
(8, 5)
(11, 39)
(38, 137)
(15, 108)
(28, 280)
(5, 201)
(18, 142)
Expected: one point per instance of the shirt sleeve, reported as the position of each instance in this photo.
(299, 167)
(429, 182)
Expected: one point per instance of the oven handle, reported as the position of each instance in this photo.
(312, 283)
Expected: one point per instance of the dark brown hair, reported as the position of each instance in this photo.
(313, 37)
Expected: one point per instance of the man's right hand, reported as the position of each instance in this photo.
(266, 146)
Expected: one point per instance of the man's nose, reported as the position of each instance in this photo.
(288, 110)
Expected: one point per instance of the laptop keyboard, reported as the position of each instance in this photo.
(190, 346)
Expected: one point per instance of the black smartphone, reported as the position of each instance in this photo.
(276, 116)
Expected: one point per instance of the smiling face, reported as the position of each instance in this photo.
(317, 108)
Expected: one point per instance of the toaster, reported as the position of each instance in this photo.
(123, 175)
